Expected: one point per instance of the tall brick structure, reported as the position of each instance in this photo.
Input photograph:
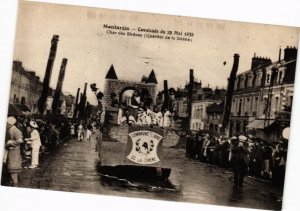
(114, 85)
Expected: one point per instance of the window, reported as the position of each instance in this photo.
(268, 78)
(238, 127)
(233, 106)
(290, 101)
(246, 82)
(258, 79)
(23, 100)
(255, 104)
(276, 103)
(247, 106)
(238, 83)
(280, 77)
(266, 106)
(240, 107)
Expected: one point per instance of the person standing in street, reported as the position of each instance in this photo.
(89, 131)
(35, 142)
(80, 132)
(12, 155)
(239, 160)
(72, 128)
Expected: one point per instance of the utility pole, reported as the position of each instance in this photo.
(47, 77)
(269, 99)
(59, 85)
(82, 103)
(230, 90)
(76, 104)
(166, 96)
(190, 97)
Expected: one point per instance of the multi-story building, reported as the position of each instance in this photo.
(214, 117)
(203, 98)
(199, 115)
(26, 89)
(262, 93)
(25, 86)
(67, 104)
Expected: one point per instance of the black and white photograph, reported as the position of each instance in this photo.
(149, 106)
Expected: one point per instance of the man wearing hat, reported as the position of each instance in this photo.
(35, 142)
(239, 159)
(12, 158)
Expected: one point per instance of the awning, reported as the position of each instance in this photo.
(260, 124)
(15, 109)
(22, 107)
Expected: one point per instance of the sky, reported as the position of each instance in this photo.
(91, 51)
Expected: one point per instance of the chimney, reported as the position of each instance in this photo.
(279, 57)
(259, 61)
(290, 53)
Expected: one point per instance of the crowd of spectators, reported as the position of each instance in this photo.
(26, 138)
(266, 160)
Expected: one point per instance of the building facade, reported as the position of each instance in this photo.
(262, 93)
(26, 87)
(214, 117)
(199, 113)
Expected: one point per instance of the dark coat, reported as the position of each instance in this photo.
(240, 159)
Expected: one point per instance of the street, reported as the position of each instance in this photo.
(73, 168)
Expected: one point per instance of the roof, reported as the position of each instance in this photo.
(111, 74)
(152, 78)
(215, 108)
(207, 100)
(274, 64)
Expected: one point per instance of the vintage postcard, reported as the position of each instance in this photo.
(149, 106)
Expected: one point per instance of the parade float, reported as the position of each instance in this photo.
(126, 144)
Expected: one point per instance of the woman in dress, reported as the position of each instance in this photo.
(13, 140)
(35, 142)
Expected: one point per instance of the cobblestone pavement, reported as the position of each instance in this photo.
(73, 168)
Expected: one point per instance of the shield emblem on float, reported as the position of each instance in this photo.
(144, 147)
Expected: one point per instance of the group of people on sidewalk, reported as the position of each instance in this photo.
(26, 138)
(12, 154)
(243, 154)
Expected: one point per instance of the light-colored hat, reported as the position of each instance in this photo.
(242, 138)
(250, 136)
(11, 120)
(233, 138)
(33, 124)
